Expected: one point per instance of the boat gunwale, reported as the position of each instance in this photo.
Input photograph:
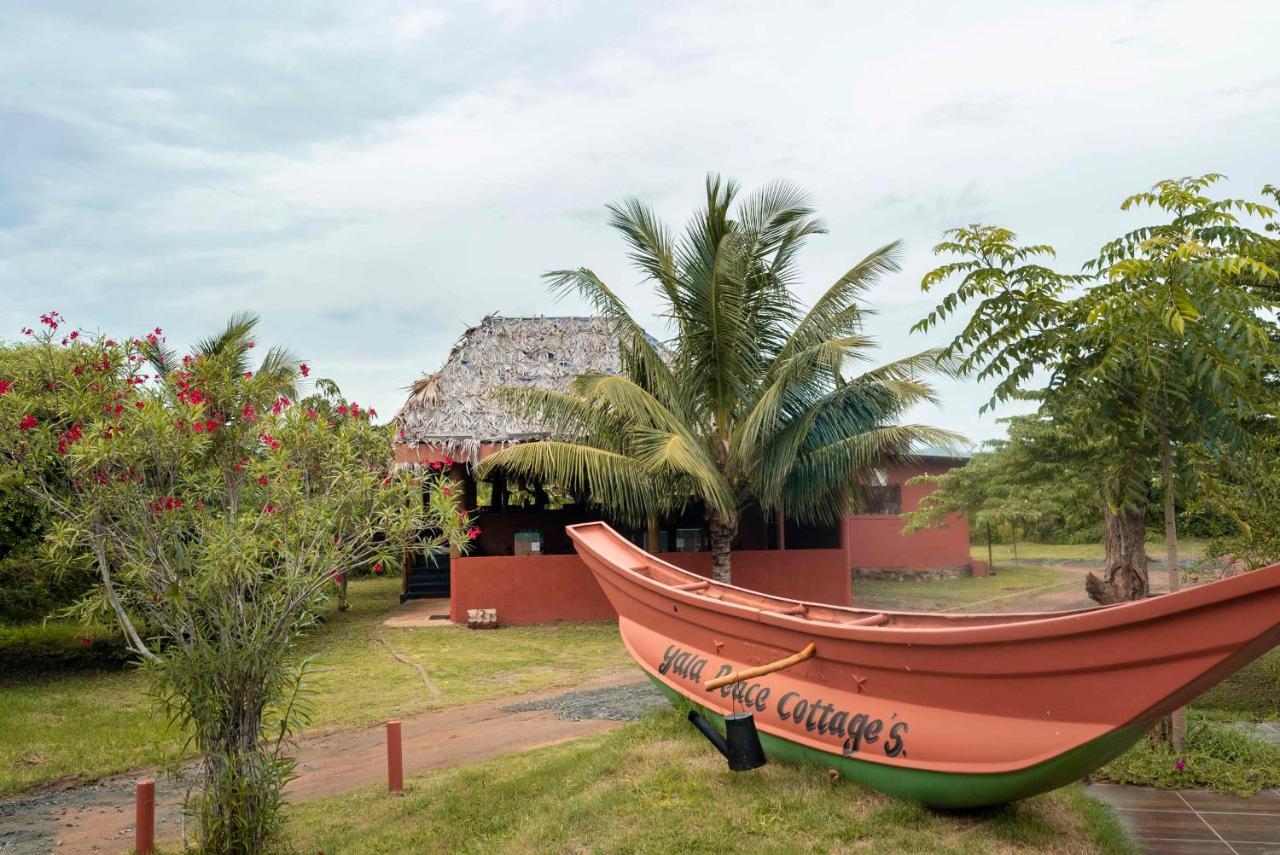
(1006, 627)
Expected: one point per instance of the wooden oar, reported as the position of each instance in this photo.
(760, 671)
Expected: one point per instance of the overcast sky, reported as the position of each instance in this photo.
(373, 177)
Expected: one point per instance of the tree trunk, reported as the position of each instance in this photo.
(721, 533)
(1178, 718)
(1125, 576)
(653, 542)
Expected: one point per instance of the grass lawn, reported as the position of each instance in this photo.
(1003, 552)
(656, 786)
(958, 594)
(90, 725)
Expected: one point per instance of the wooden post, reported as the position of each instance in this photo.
(991, 562)
(395, 758)
(144, 817)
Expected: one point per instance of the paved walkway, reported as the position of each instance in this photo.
(1195, 822)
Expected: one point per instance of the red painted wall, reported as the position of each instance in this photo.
(877, 541)
(539, 588)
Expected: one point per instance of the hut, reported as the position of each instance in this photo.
(522, 562)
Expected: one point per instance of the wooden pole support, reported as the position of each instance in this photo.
(144, 817)
(395, 758)
(739, 676)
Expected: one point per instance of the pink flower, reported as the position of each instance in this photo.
(305, 369)
(248, 375)
(27, 423)
(473, 532)
(5, 387)
(311, 414)
(270, 441)
(249, 414)
(1179, 765)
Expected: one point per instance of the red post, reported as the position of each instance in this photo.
(395, 758)
(144, 821)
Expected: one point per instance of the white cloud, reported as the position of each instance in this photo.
(372, 178)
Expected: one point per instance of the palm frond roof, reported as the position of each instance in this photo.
(451, 408)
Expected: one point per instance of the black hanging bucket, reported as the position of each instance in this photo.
(740, 744)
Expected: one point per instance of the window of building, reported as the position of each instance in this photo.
(882, 499)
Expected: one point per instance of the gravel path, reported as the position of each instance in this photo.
(615, 703)
(98, 818)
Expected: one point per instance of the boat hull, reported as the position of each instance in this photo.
(968, 713)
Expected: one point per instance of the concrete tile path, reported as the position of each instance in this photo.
(1172, 822)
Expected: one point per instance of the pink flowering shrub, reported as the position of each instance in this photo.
(217, 512)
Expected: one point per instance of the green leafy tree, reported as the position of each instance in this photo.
(216, 514)
(752, 401)
(1167, 344)
(1039, 480)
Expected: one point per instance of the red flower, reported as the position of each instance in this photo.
(263, 480)
(342, 409)
(446, 491)
(269, 508)
(5, 387)
(311, 414)
(249, 414)
(305, 369)
(377, 567)
(74, 335)
(28, 331)
(27, 423)
(248, 375)
(251, 345)
(139, 404)
(51, 320)
(85, 640)
(473, 532)
(270, 442)
(210, 426)
(198, 427)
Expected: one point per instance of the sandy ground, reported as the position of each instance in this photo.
(99, 818)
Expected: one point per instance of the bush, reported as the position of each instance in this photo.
(1217, 758)
(33, 649)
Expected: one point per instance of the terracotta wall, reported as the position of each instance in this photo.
(539, 588)
(877, 541)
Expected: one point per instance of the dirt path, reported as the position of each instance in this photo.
(99, 818)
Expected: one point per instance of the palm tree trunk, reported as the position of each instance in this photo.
(721, 533)
(1178, 718)
(652, 541)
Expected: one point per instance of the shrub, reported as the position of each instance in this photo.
(1216, 757)
(34, 649)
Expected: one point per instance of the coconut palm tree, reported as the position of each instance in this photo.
(750, 401)
(279, 369)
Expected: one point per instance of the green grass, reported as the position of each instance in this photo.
(945, 594)
(1067, 552)
(87, 725)
(1216, 757)
(1251, 694)
(656, 786)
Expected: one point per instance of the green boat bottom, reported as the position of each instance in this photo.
(947, 789)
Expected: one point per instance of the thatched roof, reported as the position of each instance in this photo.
(451, 408)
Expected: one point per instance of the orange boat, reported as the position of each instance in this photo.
(949, 710)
